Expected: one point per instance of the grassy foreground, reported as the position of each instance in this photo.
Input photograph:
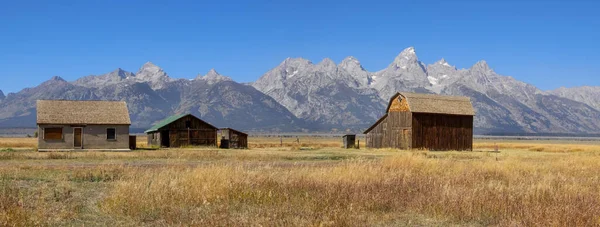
(314, 184)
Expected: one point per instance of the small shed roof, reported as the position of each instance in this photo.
(239, 132)
(82, 112)
(437, 104)
(172, 119)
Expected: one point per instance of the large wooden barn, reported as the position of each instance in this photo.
(82, 125)
(424, 121)
(182, 130)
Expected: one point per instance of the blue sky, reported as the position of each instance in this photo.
(546, 43)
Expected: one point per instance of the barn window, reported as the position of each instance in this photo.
(188, 124)
(111, 134)
(53, 134)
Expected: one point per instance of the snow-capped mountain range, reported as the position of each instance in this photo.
(298, 95)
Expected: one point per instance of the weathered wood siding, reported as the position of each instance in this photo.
(393, 132)
(374, 138)
(198, 134)
(442, 132)
(237, 140)
(349, 141)
(154, 139)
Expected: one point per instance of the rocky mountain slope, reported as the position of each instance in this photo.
(585, 94)
(152, 95)
(324, 94)
(298, 95)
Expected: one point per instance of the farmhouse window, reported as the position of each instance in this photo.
(53, 134)
(111, 134)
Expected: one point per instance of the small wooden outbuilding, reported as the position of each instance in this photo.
(349, 141)
(182, 130)
(231, 138)
(424, 121)
(82, 125)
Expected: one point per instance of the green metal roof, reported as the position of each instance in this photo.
(165, 122)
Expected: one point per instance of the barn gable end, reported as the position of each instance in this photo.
(399, 104)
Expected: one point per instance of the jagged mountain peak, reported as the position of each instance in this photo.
(154, 75)
(213, 76)
(151, 68)
(212, 73)
(350, 62)
(481, 66)
(57, 78)
(408, 53)
(55, 81)
(2, 96)
(295, 62)
(407, 57)
(327, 62)
(356, 70)
(149, 64)
(409, 50)
(121, 73)
(443, 62)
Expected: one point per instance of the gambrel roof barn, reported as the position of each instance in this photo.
(424, 121)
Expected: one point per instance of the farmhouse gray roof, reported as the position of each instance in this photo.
(82, 112)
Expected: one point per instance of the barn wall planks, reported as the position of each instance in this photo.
(154, 139)
(236, 139)
(442, 132)
(374, 138)
(199, 133)
(394, 132)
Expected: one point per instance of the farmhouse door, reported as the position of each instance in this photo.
(77, 137)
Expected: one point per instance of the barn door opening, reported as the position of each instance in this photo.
(77, 137)
(164, 139)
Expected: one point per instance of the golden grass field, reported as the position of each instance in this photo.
(314, 183)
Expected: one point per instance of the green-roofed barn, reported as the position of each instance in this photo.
(182, 130)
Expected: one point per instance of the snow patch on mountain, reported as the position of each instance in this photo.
(432, 80)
